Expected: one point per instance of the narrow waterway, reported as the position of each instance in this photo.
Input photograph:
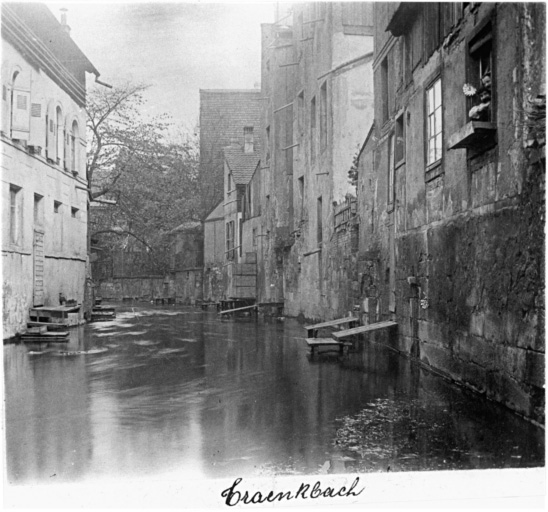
(163, 389)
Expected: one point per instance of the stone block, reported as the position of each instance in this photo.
(494, 328)
(477, 322)
(535, 368)
(513, 362)
(503, 388)
(464, 346)
(528, 335)
(475, 376)
(461, 345)
(482, 352)
(441, 359)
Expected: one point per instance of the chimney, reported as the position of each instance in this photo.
(64, 20)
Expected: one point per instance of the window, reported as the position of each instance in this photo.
(301, 195)
(313, 129)
(300, 111)
(254, 238)
(391, 172)
(323, 116)
(434, 123)
(60, 137)
(38, 210)
(480, 75)
(229, 182)
(74, 148)
(74, 212)
(240, 235)
(248, 139)
(268, 144)
(20, 109)
(230, 240)
(288, 149)
(15, 214)
(384, 89)
(57, 226)
(400, 140)
(320, 221)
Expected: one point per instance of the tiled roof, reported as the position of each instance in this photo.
(242, 165)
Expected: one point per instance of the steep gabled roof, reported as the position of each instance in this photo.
(242, 165)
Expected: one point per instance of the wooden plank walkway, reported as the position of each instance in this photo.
(312, 330)
(45, 337)
(245, 308)
(313, 343)
(49, 325)
(364, 328)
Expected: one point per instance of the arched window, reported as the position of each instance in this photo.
(19, 105)
(74, 147)
(60, 139)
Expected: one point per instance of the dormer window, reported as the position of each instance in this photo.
(248, 139)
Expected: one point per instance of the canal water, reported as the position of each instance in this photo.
(167, 389)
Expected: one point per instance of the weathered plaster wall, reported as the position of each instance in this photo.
(65, 244)
(468, 260)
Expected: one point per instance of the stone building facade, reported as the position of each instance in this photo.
(317, 85)
(224, 113)
(230, 121)
(451, 193)
(44, 186)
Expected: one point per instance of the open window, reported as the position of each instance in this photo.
(479, 132)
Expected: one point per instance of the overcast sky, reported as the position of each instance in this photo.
(176, 47)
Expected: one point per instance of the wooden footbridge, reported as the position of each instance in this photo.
(340, 338)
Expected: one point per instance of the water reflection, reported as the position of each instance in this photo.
(177, 389)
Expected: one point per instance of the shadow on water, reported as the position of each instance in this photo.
(163, 389)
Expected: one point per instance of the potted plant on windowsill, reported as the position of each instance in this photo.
(479, 132)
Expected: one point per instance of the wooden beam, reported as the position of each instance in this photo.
(364, 328)
(237, 309)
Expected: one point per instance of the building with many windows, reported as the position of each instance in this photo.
(450, 188)
(44, 186)
(230, 142)
(317, 85)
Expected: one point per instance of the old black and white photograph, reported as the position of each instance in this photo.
(273, 254)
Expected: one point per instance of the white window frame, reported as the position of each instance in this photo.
(434, 123)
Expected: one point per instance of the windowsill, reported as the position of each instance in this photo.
(433, 171)
(474, 135)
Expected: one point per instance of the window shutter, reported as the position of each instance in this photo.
(37, 137)
(20, 116)
(61, 143)
(68, 133)
(5, 110)
(51, 136)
